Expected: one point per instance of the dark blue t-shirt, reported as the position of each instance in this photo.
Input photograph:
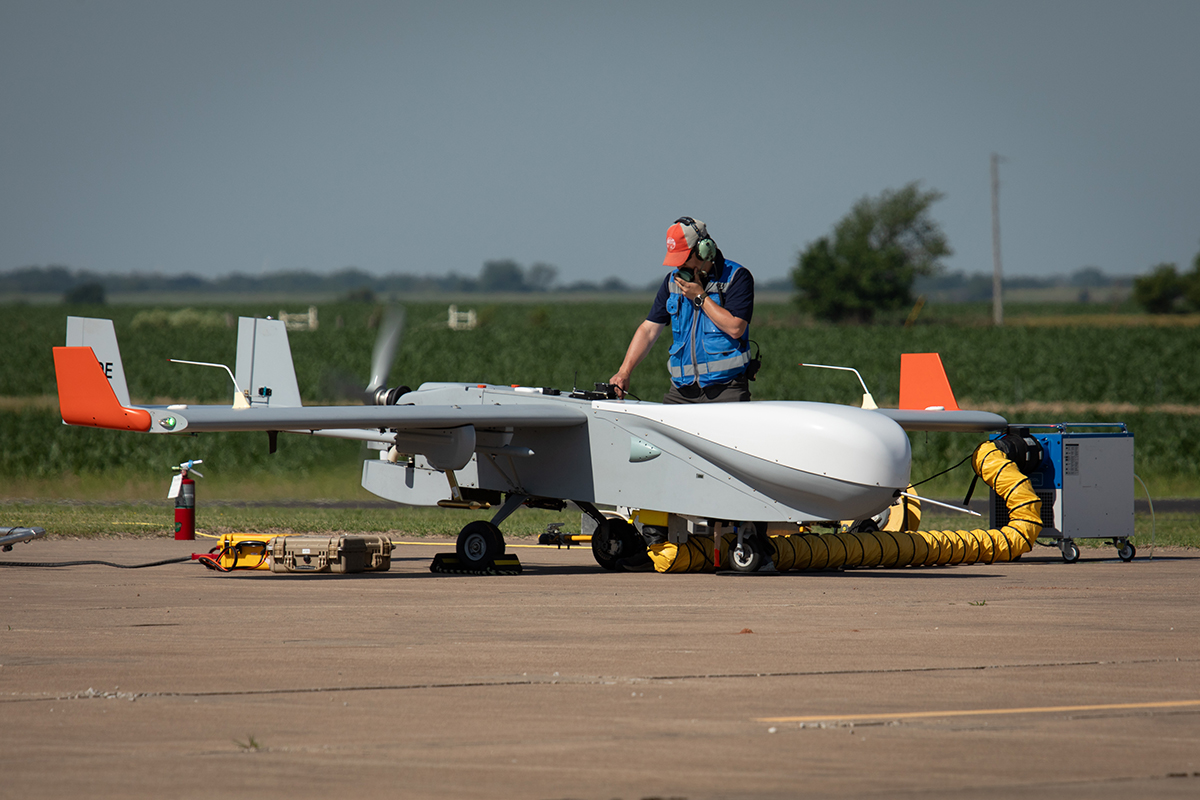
(738, 299)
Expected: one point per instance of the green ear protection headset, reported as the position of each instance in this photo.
(705, 248)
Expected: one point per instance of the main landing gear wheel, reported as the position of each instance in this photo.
(479, 543)
(1126, 551)
(749, 555)
(615, 539)
(1070, 551)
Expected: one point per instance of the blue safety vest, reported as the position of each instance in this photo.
(701, 351)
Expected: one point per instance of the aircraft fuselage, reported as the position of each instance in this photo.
(769, 461)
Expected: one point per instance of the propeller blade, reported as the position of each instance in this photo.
(391, 331)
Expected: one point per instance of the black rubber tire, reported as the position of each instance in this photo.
(1071, 554)
(755, 548)
(1126, 551)
(615, 539)
(868, 525)
(479, 544)
(747, 558)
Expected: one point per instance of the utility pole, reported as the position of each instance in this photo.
(997, 275)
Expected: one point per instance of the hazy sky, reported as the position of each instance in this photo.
(213, 137)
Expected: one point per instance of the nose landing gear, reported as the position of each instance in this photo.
(752, 549)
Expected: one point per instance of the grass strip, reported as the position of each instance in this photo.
(120, 520)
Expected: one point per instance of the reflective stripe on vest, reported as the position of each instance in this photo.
(686, 370)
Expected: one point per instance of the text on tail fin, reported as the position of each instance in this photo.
(100, 335)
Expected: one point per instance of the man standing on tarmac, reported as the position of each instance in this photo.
(709, 301)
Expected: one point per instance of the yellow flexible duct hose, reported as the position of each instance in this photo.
(929, 548)
(694, 555)
(905, 514)
(892, 548)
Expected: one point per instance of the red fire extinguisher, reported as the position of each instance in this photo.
(183, 489)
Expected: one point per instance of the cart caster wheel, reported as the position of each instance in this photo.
(1070, 552)
(1126, 551)
(479, 543)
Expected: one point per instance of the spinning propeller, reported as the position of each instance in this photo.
(391, 332)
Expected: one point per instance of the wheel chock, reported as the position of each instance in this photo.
(449, 564)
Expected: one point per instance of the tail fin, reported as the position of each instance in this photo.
(264, 363)
(923, 383)
(85, 395)
(99, 335)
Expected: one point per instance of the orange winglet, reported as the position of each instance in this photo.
(85, 396)
(923, 383)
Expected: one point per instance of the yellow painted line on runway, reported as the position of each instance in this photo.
(984, 712)
(396, 544)
(506, 544)
(548, 546)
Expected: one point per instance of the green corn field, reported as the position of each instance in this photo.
(1049, 369)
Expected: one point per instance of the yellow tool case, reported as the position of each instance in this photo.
(240, 551)
(338, 554)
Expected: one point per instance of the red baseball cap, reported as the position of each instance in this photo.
(681, 238)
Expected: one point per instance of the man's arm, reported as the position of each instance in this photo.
(727, 322)
(643, 340)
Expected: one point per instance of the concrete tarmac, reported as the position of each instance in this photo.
(1033, 679)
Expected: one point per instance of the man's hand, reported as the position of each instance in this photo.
(620, 382)
(733, 326)
(643, 339)
(690, 289)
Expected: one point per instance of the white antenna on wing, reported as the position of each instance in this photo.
(868, 401)
(241, 399)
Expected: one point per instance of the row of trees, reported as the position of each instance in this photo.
(959, 287)
(81, 286)
(868, 264)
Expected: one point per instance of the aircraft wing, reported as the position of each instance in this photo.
(927, 402)
(86, 398)
(958, 421)
(399, 417)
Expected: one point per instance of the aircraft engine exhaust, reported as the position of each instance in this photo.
(385, 396)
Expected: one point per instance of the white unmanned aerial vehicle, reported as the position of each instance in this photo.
(474, 445)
